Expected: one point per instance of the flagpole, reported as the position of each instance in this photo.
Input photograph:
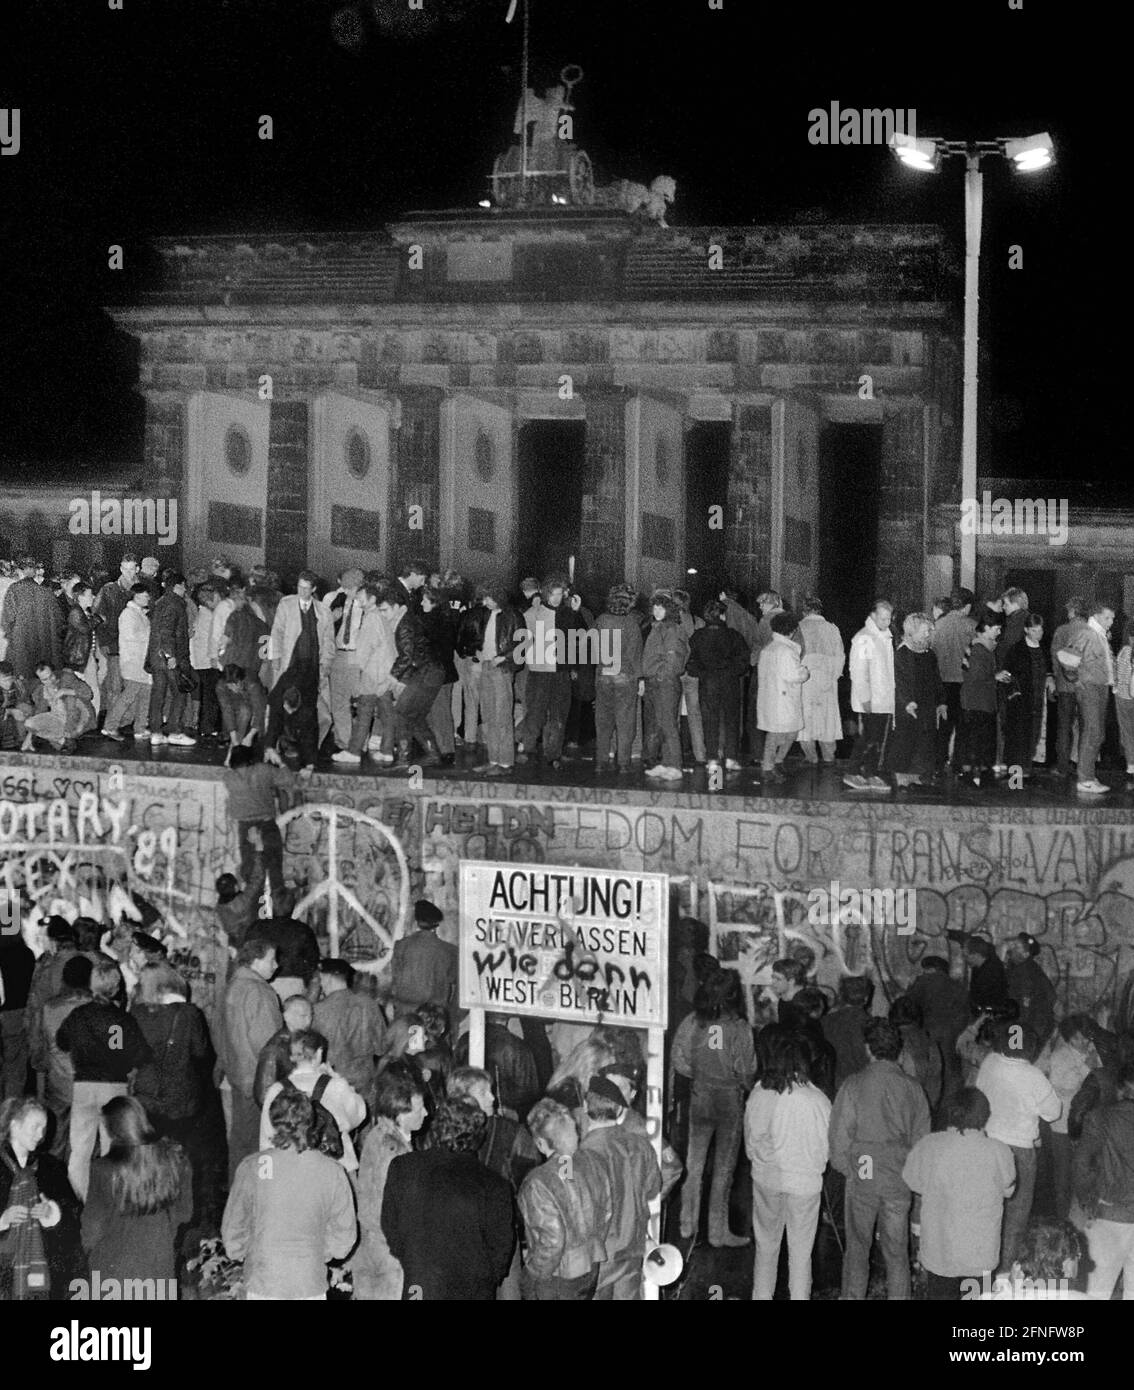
(524, 103)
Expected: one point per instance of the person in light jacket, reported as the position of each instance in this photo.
(825, 657)
(1124, 699)
(399, 1112)
(290, 1210)
(663, 660)
(786, 1134)
(1066, 701)
(1095, 680)
(374, 685)
(251, 1018)
(302, 647)
(872, 695)
(132, 705)
(779, 704)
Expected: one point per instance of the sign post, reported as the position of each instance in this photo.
(578, 944)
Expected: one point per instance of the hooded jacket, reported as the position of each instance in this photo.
(779, 702)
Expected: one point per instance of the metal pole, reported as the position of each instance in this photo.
(524, 123)
(973, 206)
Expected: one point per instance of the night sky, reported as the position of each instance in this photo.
(144, 122)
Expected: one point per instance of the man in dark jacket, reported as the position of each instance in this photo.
(112, 599)
(988, 982)
(17, 965)
(169, 653)
(944, 1007)
(447, 1218)
(424, 968)
(1030, 987)
(567, 1206)
(845, 1026)
(1104, 1186)
(719, 658)
(635, 1180)
(418, 677)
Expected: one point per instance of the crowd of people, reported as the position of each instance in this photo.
(402, 670)
(324, 1134)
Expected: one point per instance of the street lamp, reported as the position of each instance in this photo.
(1028, 155)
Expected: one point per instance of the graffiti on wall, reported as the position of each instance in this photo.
(1065, 875)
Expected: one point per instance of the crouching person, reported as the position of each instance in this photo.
(635, 1180)
(567, 1208)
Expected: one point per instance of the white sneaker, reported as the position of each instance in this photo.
(854, 781)
(1093, 788)
(670, 774)
(876, 784)
(158, 738)
(731, 765)
(382, 757)
(146, 737)
(180, 740)
(658, 771)
(345, 757)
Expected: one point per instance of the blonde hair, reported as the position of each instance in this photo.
(915, 622)
(158, 979)
(106, 980)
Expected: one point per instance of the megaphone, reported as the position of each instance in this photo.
(663, 1265)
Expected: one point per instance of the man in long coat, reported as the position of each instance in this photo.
(32, 623)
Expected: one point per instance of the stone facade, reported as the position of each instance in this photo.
(396, 393)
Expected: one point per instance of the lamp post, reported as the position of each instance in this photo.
(1028, 154)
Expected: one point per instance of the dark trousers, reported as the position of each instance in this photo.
(1021, 732)
(659, 721)
(1061, 1153)
(1018, 1207)
(940, 1288)
(866, 1209)
(616, 714)
(303, 726)
(210, 708)
(870, 746)
(1066, 713)
(165, 682)
(547, 701)
(720, 716)
(368, 710)
(553, 1289)
(242, 712)
(272, 852)
(415, 702)
(978, 739)
(1093, 700)
(950, 725)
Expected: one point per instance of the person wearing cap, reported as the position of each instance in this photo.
(635, 1180)
(424, 968)
(1029, 986)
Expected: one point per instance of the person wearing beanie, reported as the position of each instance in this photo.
(424, 968)
(616, 685)
(663, 661)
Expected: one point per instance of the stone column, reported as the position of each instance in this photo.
(901, 521)
(602, 558)
(417, 470)
(163, 457)
(748, 519)
(285, 530)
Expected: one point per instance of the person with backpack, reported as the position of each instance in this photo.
(338, 1107)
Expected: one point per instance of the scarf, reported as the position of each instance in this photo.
(30, 1276)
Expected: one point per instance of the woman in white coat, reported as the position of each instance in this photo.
(779, 702)
(825, 657)
(872, 696)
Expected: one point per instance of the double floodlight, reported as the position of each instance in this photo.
(1028, 154)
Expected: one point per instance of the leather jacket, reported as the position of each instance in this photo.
(415, 655)
(470, 635)
(567, 1206)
